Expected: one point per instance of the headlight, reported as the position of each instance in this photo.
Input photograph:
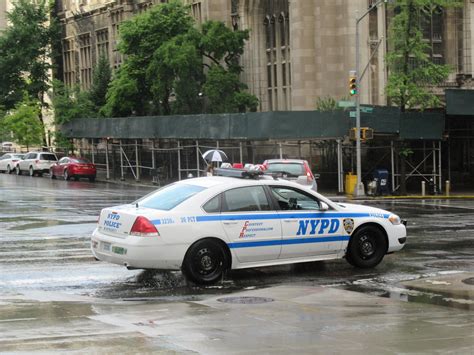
(394, 219)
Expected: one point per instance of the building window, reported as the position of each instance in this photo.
(143, 7)
(277, 40)
(197, 14)
(85, 60)
(116, 17)
(69, 62)
(432, 29)
(102, 41)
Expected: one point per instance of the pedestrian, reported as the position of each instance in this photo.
(210, 170)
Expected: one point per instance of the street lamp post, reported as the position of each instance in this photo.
(359, 188)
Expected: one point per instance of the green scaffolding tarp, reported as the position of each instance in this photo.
(278, 125)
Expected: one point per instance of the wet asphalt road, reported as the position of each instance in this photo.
(45, 228)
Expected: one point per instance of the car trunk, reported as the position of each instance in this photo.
(118, 221)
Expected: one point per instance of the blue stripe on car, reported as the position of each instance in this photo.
(264, 243)
(250, 217)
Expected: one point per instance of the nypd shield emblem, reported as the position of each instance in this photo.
(348, 225)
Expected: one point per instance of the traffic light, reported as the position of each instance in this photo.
(353, 89)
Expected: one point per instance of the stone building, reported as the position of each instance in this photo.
(298, 51)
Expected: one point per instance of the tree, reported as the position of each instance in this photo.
(23, 122)
(101, 77)
(164, 71)
(69, 104)
(412, 71)
(25, 53)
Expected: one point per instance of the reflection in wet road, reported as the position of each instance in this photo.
(45, 228)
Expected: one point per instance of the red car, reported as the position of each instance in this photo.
(73, 168)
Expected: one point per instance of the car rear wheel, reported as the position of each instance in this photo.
(17, 170)
(9, 169)
(205, 262)
(66, 175)
(92, 179)
(367, 247)
(31, 171)
(51, 174)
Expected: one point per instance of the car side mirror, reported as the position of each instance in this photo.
(323, 206)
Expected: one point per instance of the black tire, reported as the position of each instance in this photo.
(31, 171)
(367, 247)
(51, 174)
(17, 170)
(66, 175)
(205, 262)
(92, 179)
(9, 169)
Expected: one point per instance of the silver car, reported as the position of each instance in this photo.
(296, 170)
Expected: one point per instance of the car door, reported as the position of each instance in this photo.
(3, 160)
(307, 230)
(250, 224)
(24, 164)
(61, 166)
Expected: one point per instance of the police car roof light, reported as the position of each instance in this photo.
(238, 173)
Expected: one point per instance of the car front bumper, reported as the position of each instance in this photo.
(397, 236)
(137, 252)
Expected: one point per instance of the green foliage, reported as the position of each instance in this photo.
(72, 103)
(24, 52)
(23, 122)
(163, 72)
(411, 70)
(101, 77)
(223, 90)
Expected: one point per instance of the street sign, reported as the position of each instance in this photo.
(346, 104)
(352, 114)
(366, 109)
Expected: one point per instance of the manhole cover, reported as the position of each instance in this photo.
(469, 281)
(245, 300)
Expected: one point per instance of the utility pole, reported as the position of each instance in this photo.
(359, 188)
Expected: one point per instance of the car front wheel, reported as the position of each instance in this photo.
(17, 170)
(66, 175)
(205, 262)
(367, 247)
(9, 169)
(31, 171)
(51, 174)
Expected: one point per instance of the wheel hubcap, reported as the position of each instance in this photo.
(367, 247)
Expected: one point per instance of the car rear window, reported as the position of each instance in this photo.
(50, 157)
(80, 161)
(294, 169)
(169, 196)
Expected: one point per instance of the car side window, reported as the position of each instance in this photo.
(294, 199)
(213, 205)
(249, 199)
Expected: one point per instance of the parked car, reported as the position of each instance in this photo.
(8, 162)
(73, 168)
(7, 147)
(205, 226)
(296, 170)
(36, 163)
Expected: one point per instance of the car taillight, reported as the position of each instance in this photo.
(143, 228)
(309, 174)
(37, 161)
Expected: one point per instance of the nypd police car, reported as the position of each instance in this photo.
(205, 226)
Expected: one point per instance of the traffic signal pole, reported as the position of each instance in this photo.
(359, 188)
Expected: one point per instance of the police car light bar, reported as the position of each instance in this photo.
(238, 173)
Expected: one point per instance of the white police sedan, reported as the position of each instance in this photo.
(205, 226)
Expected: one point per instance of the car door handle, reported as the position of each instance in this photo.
(290, 220)
(230, 222)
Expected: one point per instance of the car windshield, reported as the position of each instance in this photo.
(294, 169)
(50, 157)
(17, 156)
(80, 160)
(169, 197)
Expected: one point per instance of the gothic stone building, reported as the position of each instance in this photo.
(298, 50)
